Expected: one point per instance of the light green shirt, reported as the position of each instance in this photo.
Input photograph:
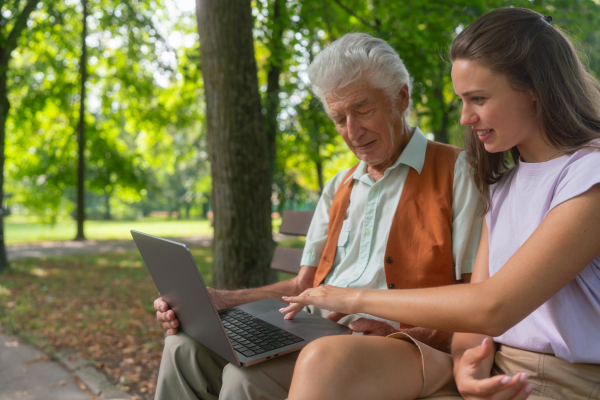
(359, 258)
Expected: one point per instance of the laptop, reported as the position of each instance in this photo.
(244, 335)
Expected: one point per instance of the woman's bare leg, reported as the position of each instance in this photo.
(358, 367)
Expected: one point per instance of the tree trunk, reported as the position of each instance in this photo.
(206, 207)
(4, 107)
(237, 143)
(441, 133)
(107, 216)
(274, 71)
(319, 165)
(81, 131)
(7, 44)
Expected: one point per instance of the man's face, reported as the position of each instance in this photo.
(368, 122)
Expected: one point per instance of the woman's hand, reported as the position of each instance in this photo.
(327, 297)
(474, 383)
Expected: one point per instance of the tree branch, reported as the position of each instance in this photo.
(20, 24)
(349, 11)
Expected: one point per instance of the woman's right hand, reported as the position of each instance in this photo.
(474, 383)
(166, 316)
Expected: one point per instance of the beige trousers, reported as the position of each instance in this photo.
(190, 371)
(552, 377)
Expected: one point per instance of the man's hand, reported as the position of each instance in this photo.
(372, 327)
(474, 383)
(166, 316)
(218, 298)
(169, 320)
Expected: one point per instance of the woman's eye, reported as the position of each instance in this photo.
(477, 100)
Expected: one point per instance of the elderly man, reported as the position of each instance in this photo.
(403, 217)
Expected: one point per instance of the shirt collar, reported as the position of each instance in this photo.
(413, 155)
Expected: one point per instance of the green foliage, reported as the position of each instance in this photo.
(145, 112)
(146, 145)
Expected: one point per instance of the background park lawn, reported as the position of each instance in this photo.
(19, 230)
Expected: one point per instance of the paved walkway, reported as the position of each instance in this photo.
(44, 249)
(27, 373)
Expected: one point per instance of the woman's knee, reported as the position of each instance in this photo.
(324, 356)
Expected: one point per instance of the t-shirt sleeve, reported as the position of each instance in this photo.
(579, 175)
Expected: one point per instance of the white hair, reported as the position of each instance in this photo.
(357, 55)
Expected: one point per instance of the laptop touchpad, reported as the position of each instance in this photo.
(304, 324)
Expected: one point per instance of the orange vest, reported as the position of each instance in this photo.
(419, 247)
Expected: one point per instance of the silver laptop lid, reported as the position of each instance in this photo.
(178, 280)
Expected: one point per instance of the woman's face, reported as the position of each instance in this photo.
(500, 115)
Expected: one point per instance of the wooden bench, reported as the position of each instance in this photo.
(296, 223)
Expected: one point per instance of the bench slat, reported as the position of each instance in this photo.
(287, 259)
(295, 222)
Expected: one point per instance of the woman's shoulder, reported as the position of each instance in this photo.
(578, 174)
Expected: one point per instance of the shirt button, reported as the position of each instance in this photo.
(389, 260)
(367, 232)
(391, 286)
(355, 275)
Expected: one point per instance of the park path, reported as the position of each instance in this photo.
(46, 249)
(27, 373)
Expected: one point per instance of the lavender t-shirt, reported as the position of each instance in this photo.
(568, 324)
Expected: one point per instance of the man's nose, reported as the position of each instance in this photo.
(355, 129)
(467, 116)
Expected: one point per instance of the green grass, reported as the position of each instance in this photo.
(18, 230)
(26, 232)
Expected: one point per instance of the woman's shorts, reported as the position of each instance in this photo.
(552, 377)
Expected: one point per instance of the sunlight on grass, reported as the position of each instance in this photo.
(20, 230)
(23, 232)
(39, 272)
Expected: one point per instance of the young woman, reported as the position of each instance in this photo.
(530, 319)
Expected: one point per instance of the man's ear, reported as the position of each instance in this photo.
(403, 99)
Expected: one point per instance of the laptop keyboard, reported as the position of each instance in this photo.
(251, 336)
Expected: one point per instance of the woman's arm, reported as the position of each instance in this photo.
(474, 353)
(564, 243)
(481, 273)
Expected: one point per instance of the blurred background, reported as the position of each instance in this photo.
(123, 93)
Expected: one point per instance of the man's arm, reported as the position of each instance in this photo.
(298, 284)
(226, 299)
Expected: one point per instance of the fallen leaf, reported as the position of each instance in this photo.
(40, 358)
(11, 344)
(62, 383)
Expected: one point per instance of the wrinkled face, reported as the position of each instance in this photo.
(500, 115)
(368, 122)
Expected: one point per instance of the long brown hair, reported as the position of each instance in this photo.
(534, 55)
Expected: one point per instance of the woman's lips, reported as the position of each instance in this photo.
(484, 135)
